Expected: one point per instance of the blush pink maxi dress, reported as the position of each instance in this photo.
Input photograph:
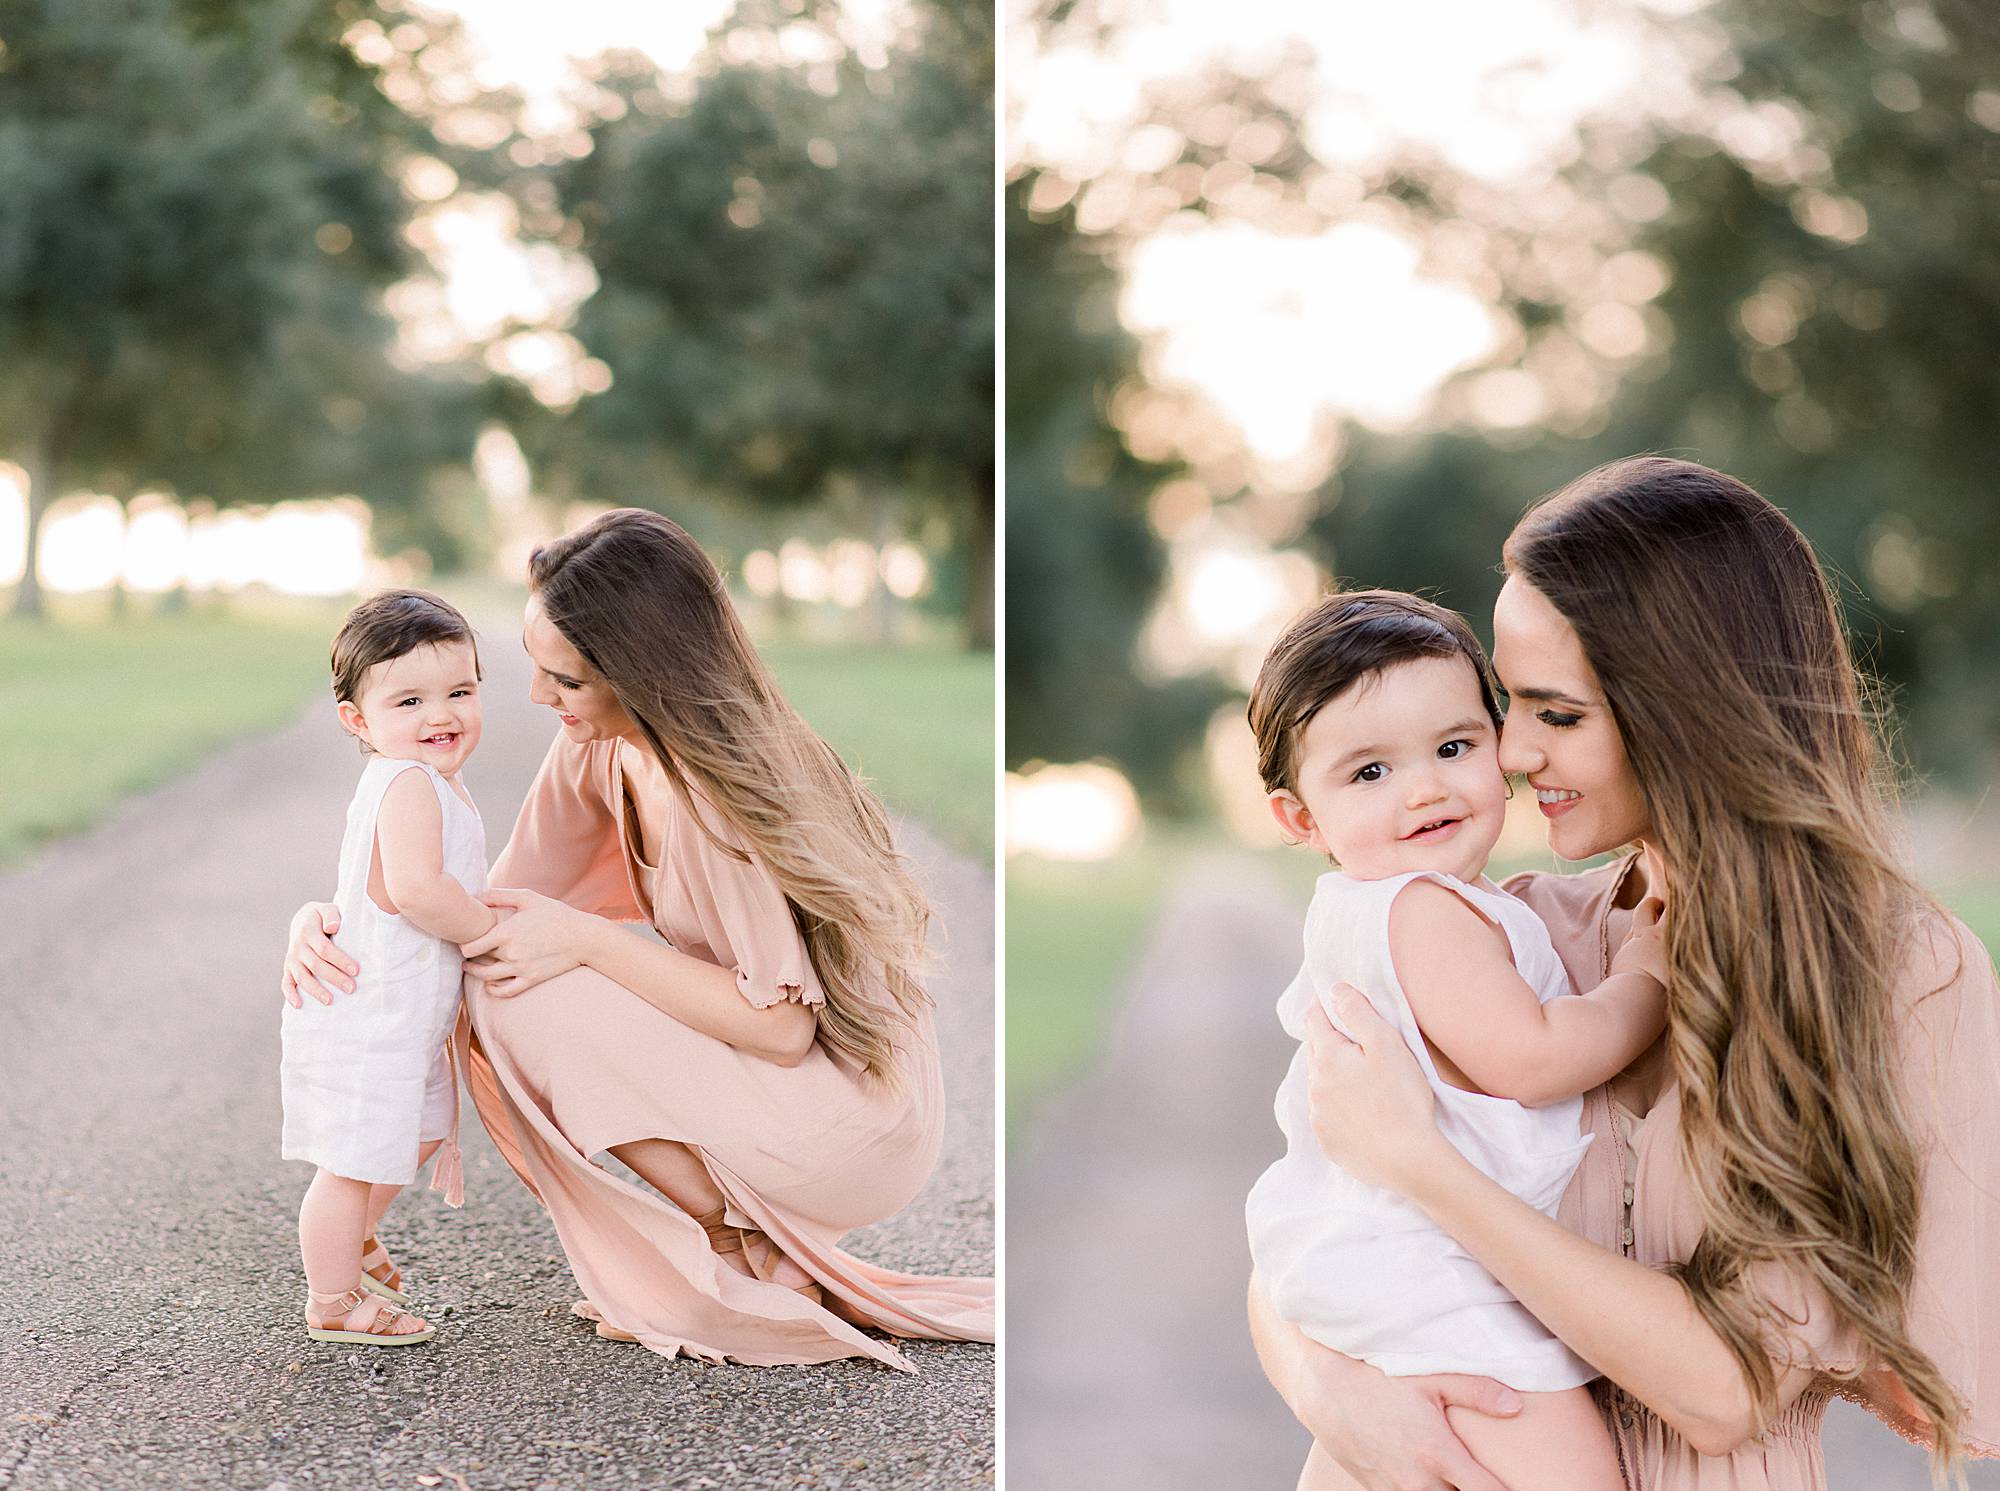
(566, 1070)
(1637, 1198)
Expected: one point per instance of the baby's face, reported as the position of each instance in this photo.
(1400, 773)
(422, 706)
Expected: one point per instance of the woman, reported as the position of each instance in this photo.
(1797, 1192)
(768, 1062)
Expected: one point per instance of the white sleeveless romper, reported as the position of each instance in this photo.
(369, 1077)
(1361, 1269)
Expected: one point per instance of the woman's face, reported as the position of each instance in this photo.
(1559, 731)
(582, 700)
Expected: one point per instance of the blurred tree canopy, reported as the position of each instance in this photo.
(1824, 302)
(199, 216)
(1082, 565)
(796, 285)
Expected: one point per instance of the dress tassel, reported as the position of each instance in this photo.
(448, 1175)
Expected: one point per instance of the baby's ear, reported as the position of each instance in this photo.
(350, 717)
(1295, 819)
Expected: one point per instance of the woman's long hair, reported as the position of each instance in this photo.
(643, 604)
(1721, 654)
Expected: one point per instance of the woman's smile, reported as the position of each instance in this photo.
(1555, 801)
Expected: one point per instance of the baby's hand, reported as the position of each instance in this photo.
(1645, 949)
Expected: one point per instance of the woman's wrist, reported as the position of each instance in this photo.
(1432, 1171)
(589, 937)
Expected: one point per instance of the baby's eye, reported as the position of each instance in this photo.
(461, 693)
(1451, 750)
(1372, 772)
(406, 703)
(1558, 719)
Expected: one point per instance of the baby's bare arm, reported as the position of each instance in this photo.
(1474, 1006)
(409, 834)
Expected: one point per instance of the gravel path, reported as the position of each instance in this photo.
(149, 1274)
(1129, 1365)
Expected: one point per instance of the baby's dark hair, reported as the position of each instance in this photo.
(386, 626)
(1342, 639)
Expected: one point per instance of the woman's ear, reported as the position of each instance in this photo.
(1295, 820)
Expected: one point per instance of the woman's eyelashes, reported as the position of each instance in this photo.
(1556, 718)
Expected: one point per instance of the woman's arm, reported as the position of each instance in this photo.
(1474, 1006)
(543, 938)
(1372, 1115)
(1388, 1433)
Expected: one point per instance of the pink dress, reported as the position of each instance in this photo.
(579, 1064)
(1632, 1193)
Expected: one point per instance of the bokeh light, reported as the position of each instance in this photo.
(1086, 811)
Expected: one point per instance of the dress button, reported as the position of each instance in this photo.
(1628, 1195)
(1625, 1237)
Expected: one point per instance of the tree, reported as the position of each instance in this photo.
(796, 286)
(1083, 567)
(198, 219)
(1825, 329)
(1810, 244)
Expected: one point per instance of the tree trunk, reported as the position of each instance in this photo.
(979, 620)
(882, 604)
(39, 462)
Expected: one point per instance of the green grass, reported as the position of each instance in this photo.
(94, 707)
(1073, 934)
(1977, 904)
(916, 722)
(91, 709)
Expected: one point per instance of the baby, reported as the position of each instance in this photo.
(1378, 740)
(370, 1086)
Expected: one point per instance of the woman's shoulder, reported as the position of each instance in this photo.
(696, 826)
(1564, 899)
(1940, 953)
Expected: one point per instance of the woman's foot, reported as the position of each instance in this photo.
(379, 1274)
(751, 1252)
(359, 1318)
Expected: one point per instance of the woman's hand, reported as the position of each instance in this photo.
(1371, 1107)
(535, 939)
(1391, 1433)
(1387, 1433)
(313, 965)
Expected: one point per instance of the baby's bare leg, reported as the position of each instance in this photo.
(1321, 1474)
(1557, 1442)
(330, 1227)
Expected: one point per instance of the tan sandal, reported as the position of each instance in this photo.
(585, 1309)
(380, 1329)
(762, 1258)
(727, 1240)
(379, 1274)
